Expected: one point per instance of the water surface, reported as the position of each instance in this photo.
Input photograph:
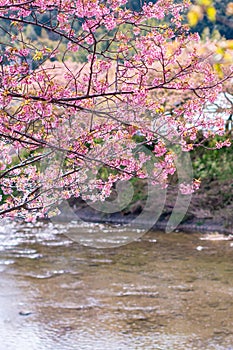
(163, 291)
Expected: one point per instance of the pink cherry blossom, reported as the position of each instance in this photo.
(72, 126)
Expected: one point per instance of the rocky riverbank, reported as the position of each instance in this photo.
(210, 210)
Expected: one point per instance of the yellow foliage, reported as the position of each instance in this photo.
(205, 3)
(217, 67)
(211, 13)
(220, 50)
(229, 44)
(194, 15)
(38, 56)
(224, 49)
(197, 12)
(228, 57)
(159, 110)
(192, 18)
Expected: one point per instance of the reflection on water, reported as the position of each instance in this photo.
(161, 292)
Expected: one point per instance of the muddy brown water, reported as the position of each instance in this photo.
(162, 292)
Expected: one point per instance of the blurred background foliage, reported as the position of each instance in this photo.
(209, 164)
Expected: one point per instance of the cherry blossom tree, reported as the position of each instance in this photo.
(100, 102)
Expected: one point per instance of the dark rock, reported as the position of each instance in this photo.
(25, 313)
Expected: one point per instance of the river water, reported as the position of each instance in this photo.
(162, 291)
